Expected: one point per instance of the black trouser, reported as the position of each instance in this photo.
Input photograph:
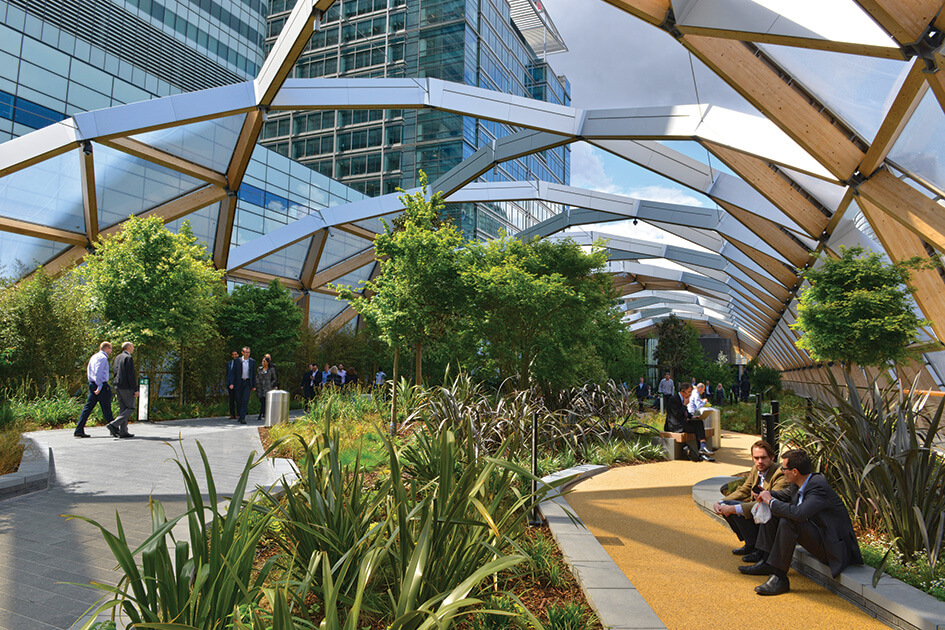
(234, 403)
(745, 528)
(103, 398)
(243, 388)
(779, 536)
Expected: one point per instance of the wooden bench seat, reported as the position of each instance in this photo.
(673, 442)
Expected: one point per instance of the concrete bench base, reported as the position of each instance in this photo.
(893, 602)
(672, 443)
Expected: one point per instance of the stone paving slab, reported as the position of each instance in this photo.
(95, 478)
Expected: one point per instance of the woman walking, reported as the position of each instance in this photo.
(265, 382)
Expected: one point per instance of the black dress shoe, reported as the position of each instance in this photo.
(774, 585)
(744, 549)
(759, 568)
(81, 435)
(112, 430)
(242, 422)
(705, 458)
(755, 556)
(126, 435)
(706, 450)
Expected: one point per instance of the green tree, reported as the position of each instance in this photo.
(540, 305)
(420, 295)
(266, 319)
(857, 309)
(677, 346)
(44, 325)
(153, 287)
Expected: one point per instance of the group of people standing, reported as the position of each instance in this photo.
(243, 377)
(315, 380)
(100, 391)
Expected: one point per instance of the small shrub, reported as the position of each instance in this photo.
(568, 616)
(493, 619)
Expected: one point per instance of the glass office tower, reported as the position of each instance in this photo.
(493, 44)
(59, 58)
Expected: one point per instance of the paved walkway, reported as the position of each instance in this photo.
(680, 560)
(96, 478)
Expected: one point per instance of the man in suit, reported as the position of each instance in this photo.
(231, 378)
(99, 391)
(678, 420)
(308, 384)
(245, 382)
(808, 513)
(642, 390)
(126, 386)
(736, 506)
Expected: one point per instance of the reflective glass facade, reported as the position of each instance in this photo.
(53, 65)
(377, 151)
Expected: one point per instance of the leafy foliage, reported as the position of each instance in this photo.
(541, 305)
(420, 295)
(45, 329)
(265, 319)
(677, 347)
(880, 450)
(857, 309)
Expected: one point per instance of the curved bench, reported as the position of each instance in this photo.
(892, 602)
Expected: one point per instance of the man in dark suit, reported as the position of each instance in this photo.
(126, 386)
(735, 508)
(678, 420)
(642, 391)
(245, 384)
(808, 513)
(308, 384)
(231, 378)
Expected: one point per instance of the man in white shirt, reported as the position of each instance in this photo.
(667, 388)
(697, 400)
(99, 390)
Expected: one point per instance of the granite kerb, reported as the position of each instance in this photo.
(33, 472)
(611, 595)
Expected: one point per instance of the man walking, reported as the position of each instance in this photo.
(642, 391)
(231, 378)
(245, 382)
(807, 513)
(667, 388)
(126, 386)
(308, 385)
(99, 391)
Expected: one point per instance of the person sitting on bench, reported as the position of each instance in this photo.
(679, 420)
(808, 513)
(736, 506)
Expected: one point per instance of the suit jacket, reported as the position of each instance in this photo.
(124, 368)
(823, 508)
(266, 381)
(676, 415)
(232, 367)
(642, 390)
(238, 373)
(773, 481)
(307, 385)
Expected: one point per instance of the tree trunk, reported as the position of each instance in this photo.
(393, 400)
(181, 384)
(419, 364)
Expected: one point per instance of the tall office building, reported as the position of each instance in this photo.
(59, 58)
(495, 44)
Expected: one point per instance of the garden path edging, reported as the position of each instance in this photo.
(893, 602)
(617, 603)
(33, 473)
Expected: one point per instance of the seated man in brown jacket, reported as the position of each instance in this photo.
(736, 506)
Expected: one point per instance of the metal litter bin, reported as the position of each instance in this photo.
(277, 407)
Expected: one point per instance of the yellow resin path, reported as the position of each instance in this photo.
(680, 559)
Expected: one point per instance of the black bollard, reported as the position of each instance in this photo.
(758, 414)
(775, 423)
